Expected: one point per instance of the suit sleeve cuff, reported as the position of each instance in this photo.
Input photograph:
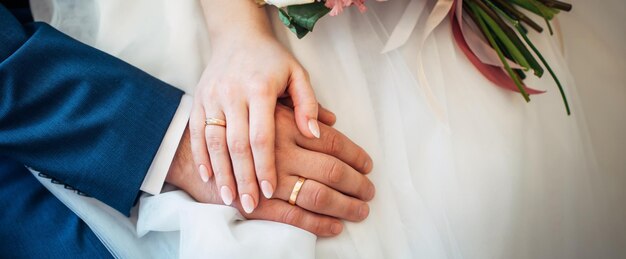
(153, 182)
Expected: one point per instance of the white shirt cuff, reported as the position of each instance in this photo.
(153, 182)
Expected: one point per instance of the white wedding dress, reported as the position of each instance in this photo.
(496, 178)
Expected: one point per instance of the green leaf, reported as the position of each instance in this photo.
(293, 27)
(301, 19)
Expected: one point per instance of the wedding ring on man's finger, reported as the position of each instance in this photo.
(215, 122)
(296, 190)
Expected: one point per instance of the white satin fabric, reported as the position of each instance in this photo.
(500, 178)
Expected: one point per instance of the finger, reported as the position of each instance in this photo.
(241, 156)
(262, 132)
(219, 156)
(281, 211)
(321, 199)
(326, 116)
(198, 143)
(304, 103)
(333, 143)
(332, 172)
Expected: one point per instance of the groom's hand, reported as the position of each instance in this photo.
(334, 167)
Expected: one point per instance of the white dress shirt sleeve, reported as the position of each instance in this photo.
(153, 182)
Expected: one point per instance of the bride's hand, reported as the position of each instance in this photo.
(249, 69)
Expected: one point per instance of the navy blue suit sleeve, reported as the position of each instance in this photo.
(78, 114)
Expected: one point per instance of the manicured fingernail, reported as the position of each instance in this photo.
(363, 211)
(371, 192)
(227, 195)
(366, 165)
(336, 228)
(247, 203)
(204, 173)
(314, 128)
(267, 189)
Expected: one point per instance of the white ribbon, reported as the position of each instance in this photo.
(408, 23)
(405, 26)
(401, 34)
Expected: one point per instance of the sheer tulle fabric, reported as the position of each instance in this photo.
(500, 178)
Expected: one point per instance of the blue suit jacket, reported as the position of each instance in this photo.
(76, 114)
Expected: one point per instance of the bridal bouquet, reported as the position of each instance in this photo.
(503, 24)
(491, 33)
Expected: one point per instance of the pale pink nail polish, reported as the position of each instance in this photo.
(247, 203)
(314, 128)
(204, 173)
(267, 189)
(227, 195)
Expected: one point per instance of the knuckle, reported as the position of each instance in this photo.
(335, 173)
(310, 102)
(321, 198)
(210, 92)
(245, 181)
(207, 89)
(196, 132)
(316, 226)
(230, 91)
(221, 176)
(215, 144)
(292, 216)
(261, 139)
(255, 78)
(335, 143)
(260, 90)
(238, 147)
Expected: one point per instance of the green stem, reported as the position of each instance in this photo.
(506, 53)
(481, 22)
(518, 57)
(518, 25)
(544, 14)
(540, 9)
(545, 63)
(492, 10)
(557, 5)
(518, 15)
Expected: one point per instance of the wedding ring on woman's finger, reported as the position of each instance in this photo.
(296, 190)
(215, 122)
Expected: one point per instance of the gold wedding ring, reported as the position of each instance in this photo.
(296, 190)
(215, 122)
